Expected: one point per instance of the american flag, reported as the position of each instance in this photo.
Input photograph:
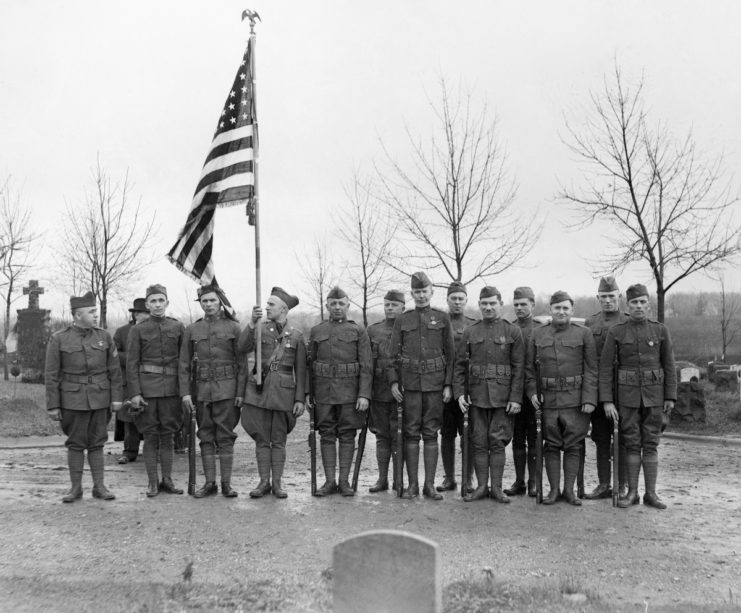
(228, 175)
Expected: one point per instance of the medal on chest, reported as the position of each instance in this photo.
(650, 343)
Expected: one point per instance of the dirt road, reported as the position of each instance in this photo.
(121, 555)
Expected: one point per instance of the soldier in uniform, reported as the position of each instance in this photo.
(608, 296)
(213, 339)
(152, 375)
(343, 379)
(647, 388)
(525, 435)
(383, 421)
(83, 385)
(491, 357)
(131, 436)
(452, 415)
(422, 345)
(568, 379)
(269, 412)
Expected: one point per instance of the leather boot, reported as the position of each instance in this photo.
(167, 455)
(580, 469)
(481, 464)
(447, 451)
(633, 468)
(430, 454)
(208, 459)
(496, 468)
(262, 455)
(411, 456)
(329, 461)
(519, 456)
(604, 474)
(150, 453)
(471, 464)
(207, 489)
(346, 453)
(76, 464)
(277, 463)
(552, 461)
(97, 470)
(650, 474)
(571, 463)
(226, 463)
(153, 489)
(167, 486)
(383, 457)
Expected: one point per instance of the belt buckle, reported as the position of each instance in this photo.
(90, 378)
(561, 383)
(422, 365)
(273, 366)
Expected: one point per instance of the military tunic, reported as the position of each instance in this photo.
(83, 378)
(495, 373)
(218, 379)
(452, 425)
(422, 343)
(152, 355)
(267, 415)
(568, 371)
(132, 437)
(525, 436)
(383, 405)
(342, 371)
(646, 378)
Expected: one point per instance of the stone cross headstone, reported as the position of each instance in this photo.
(387, 571)
(33, 331)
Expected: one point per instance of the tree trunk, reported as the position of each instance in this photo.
(660, 300)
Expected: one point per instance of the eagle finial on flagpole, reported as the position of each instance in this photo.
(252, 16)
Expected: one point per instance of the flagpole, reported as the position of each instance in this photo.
(253, 208)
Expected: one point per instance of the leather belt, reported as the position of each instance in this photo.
(324, 369)
(156, 369)
(650, 376)
(96, 378)
(422, 366)
(561, 383)
(280, 367)
(491, 371)
(216, 373)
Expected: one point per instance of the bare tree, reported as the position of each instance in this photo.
(454, 199)
(730, 317)
(666, 206)
(368, 234)
(318, 273)
(105, 240)
(16, 256)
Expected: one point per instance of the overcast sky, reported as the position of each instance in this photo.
(142, 83)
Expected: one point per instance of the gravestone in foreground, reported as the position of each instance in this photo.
(33, 330)
(387, 571)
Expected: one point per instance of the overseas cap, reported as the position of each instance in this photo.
(81, 302)
(395, 295)
(489, 292)
(420, 280)
(608, 284)
(634, 291)
(139, 306)
(524, 292)
(156, 289)
(289, 300)
(560, 296)
(336, 293)
(456, 286)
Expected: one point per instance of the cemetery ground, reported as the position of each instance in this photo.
(175, 553)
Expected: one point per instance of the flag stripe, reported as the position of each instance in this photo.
(227, 177)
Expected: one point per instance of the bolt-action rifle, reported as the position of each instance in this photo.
(192, 428)
(464, 438)
(615, 428)
(538, 432)
(399, 450)
(312, 415)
